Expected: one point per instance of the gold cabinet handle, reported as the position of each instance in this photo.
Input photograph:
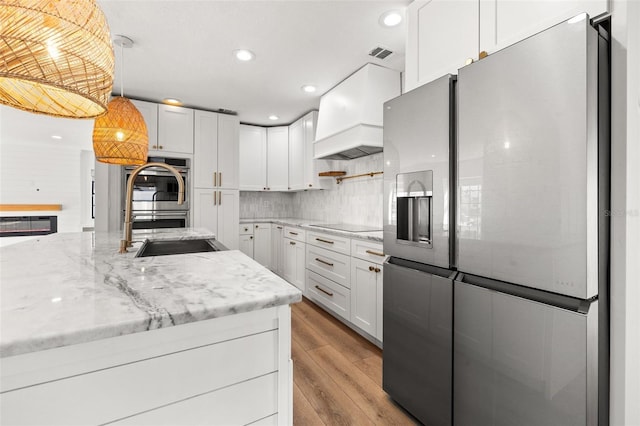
(159, 146)
(377, 270)
(246, 229)
(220, 179)
(215, 199)
(371, 268)
(279, 227)
(324, 241)
(215, 179)
(375, 253)
(155, 147)
(310, 186)
(293, 243)
(328, 293)
(251, 237)
(219, 198)
(293, 233)
(324, 261)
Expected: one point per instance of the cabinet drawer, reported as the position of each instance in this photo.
(295, 233)
(332, 296)
(331, 242)
(367, 250)
(329, 264)
(246, 228)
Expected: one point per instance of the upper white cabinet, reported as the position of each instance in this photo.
(444, 34)
(149, 111)
(277, 158)
(253, 158)
(303, 169)
(215, 150)
(262, 244)
(175, 129)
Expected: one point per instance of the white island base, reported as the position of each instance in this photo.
(231, 370)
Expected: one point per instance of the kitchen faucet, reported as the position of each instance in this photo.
(128, 220)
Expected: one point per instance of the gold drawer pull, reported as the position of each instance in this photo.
(324, 241)
(279, 227)
(293, 233)
(324, 261)
(292, 243)
(377, 269)
(375, 253)
(325, 291)
(371, 268)
(215, 179)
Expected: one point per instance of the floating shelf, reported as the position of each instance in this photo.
(331, 174)
(29, 207)
(370, 174)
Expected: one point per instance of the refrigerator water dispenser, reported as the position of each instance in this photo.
(414, 193)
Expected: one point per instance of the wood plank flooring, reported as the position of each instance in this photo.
(337, 374)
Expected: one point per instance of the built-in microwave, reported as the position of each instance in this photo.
(155, 195)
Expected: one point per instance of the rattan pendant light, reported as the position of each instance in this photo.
(56, 57)
(120, 136)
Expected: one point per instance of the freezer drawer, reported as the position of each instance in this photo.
(417, 329)
(528, 163)
(522, 362)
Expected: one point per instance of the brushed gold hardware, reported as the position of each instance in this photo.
(293, 233)
(215, 199)
(469, 61)
(279, 227)
(251, 237)
(29, 207)
(370, 174)
(220, 178)
(128, 215)
(324, 241)
(293, 243)
(483, 54)
(310, 186)
(375, 253)
(155, 147)
(160, 146)
(215, 179)
(377, 269)
(324, 261)
(332, 173)
(256, 226)
(246, 229)
(371, 268)
(219, 198)
(328, 293)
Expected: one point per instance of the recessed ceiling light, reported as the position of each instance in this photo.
(391, 18)
(56, 137)
(308, 88)
(172, 101)
(273, 117)
(244, 55)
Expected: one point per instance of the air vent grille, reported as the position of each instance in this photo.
(380, 52)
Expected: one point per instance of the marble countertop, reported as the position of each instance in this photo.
(69, 288)
(314, 225)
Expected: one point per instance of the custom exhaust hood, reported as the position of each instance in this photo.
(350, 115)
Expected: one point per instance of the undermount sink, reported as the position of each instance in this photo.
(168, 247)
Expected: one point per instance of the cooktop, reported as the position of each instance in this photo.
(349, 227)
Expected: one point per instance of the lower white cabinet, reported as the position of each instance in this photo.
(366, 285)
(246, 245)
(262, 244)
(277, 249)
(329, 294)
(218, 211)
(294, 263)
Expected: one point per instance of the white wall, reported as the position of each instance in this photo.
(625, 224)
(36, 169)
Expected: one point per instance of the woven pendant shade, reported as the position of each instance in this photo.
(120, 136)
(56, 57)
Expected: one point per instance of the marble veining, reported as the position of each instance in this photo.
(69, 288)
(306, 224)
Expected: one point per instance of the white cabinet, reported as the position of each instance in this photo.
(218, 211)
(149, 111)
(175, 129)
(277, 249)
(253, 158)
(294, 257)
(277, 158)
(262, 244)
(366, 278)
(246, 245)
(443, 34)
(303, 169)
(215, 150)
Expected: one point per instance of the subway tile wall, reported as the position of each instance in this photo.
(356, 200)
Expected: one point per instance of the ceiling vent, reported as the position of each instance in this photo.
(380, 52)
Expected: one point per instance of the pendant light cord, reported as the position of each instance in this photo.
(122, 73)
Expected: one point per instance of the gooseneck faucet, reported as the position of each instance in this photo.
(128, 220)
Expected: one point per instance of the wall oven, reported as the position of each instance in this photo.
(155, 195)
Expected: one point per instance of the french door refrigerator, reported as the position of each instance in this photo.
(530, 297)
(505, 320)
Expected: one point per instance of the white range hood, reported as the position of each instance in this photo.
(350, 116)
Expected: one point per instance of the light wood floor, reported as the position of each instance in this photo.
(337, 375)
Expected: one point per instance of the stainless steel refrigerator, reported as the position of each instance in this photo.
(529, 258)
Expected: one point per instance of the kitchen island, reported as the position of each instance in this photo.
(90, 336)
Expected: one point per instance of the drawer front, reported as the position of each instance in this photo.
(246, 228)
(329, 264)
(295, 233)
(331, 242)
(367, 250)
(329, 294)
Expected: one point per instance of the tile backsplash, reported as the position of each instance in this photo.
(356, 200)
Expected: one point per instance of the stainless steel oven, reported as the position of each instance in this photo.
(155, 195)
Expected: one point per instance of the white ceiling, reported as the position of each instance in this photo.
(184, 49)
